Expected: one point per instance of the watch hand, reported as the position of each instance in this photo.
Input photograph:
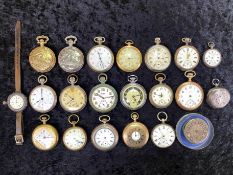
(109, 96)
(99, 96)
(101, 62)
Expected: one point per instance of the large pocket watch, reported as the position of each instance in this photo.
(135, 134)
(161, 95)
(187, 57)
(163, 135)
(75, 137)
(71, 58)
(105, 136)
(42, 59)
(42, 98)
(100, 58)
(218, 97)
(103, 97)
(45, 136)
(129, 58)
(158, 57)
(73, 98)
(189, 95)
(133, 95)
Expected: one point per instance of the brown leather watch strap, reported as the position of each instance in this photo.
(17, 57)
(19, 129)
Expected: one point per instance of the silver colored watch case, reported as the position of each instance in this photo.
(24, 100)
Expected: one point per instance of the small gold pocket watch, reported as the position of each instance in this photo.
(129, 58)
(189, 95)
(75, 137)
(42, 59)
(73, 98)
(135, 134)
(45, 136)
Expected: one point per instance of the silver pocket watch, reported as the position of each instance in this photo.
(212, 57)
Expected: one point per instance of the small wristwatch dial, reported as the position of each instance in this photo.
(16, 102)
(212, 58)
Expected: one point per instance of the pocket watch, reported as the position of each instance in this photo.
(218, 97)
(100, 58)
(189, 95)
(187, 57)
(135, 134)
(129, 58)
(105, 136)
(42, 59)
(161, 95)
(158, 57)
(75, 137)
(71, 59)
(103, 97)
(212, 57)
(42, 98)
(45, 136)
(73, 98)
(163, 135)
(133, 96)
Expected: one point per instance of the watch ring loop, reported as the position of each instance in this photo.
(160, 118)
(44, 118)
(42, 79)
(211, 45)
(216, 82)
(72, 79)
(186, 40)
(104, 118)
(74, 38)
(132, 78)
(42, 37)
(73, 122)
(134, 116)
(99, 39)
(129, 42)
(189, 72)
(160, 77)
(102, 77)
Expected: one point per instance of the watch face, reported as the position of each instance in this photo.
(73, 98)
(212, 58)
(158, 58)
(218, 97)
(100, 58)
(163, 135)
(17, 102)
(187, 57)
(43, 98)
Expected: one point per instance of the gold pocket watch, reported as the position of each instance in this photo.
(75, 137)
(189, 95)
(212, 57)
(135, 134)
(158, 57)
(129, 58)
(100, 58)
(187, 57)
(42, 59)
(163, 135)
(103, 97)
(161, 95)
(42, 98)
(105, 136)
(71, 58)
(45, 136)
(73, 98)
(133, 95)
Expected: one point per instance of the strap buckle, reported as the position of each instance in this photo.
(19, 139)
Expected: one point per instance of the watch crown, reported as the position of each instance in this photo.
(4, 102)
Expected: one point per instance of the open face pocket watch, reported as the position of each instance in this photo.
(42, 98)
(189, 95)
(44, 136)
(100, 58)
(71, 58)
(75, 137)
(135, 134)
(212, 57)
(73, 98)
(103, 97)
(42, 59)
(105, 136)
(161, 95)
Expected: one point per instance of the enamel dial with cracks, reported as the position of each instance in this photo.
(16, 101)
(187, 57)
(100, 58)
(158, 57)
(42, 98)
(212, 57)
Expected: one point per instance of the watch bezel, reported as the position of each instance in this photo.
(24, 100)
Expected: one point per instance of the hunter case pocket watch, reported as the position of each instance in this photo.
(218, 97)
(189, 95)
(103, 97)
(42, 98)
(135, 134)
(158, 57)
(100, 58)
(71, 59)
(187, 57)
(75, 137)
(42, 59)
(212, 57)
(45, 136)
(161, 95)
(73, 98)
(105, 136)
(129, 58)
(133, 96)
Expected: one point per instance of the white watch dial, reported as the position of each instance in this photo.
(104, 138)
(135, 135)
(16, 102)
(45, 138)
(212, 58)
